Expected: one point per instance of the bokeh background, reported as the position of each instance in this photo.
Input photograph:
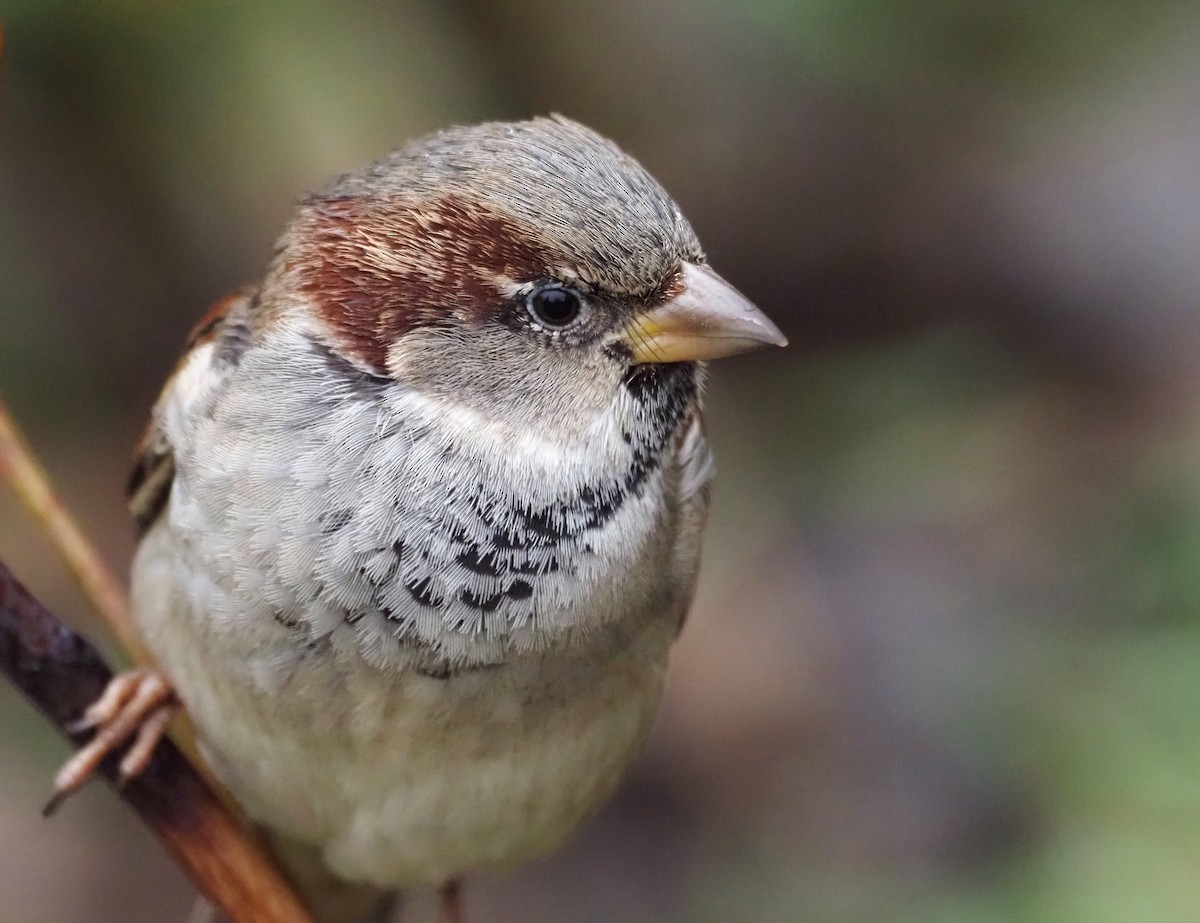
(945, 660)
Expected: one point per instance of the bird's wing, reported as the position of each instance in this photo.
(149, 484)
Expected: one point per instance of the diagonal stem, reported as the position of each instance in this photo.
(29, 482)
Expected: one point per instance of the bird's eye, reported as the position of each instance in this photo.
(554, 307)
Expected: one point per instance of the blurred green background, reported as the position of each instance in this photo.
(945, 660)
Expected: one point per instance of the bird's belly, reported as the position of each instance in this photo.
(402, 778)
(420, 779)
(497, 791)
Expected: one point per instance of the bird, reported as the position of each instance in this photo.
(420, 513)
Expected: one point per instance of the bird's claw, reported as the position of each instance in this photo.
(138, 703)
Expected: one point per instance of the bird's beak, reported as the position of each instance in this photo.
(709, 319)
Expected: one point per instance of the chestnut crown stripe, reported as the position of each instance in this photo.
(378, 270)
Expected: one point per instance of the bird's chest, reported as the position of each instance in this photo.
(415, 540)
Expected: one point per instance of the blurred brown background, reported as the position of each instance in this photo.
(945, 662)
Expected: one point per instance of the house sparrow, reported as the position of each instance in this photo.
(421, 513)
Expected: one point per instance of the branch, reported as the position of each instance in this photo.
(61, 674)
(21, 470)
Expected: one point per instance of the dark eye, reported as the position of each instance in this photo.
(554, 307)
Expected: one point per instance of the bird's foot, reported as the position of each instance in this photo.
(137, 703)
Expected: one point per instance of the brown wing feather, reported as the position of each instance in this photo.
(150, 481)
(153, 471)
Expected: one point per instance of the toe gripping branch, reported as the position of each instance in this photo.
(138, 704)
(56, 669)
(65, 678)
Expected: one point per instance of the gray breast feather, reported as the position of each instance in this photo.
(355, 515)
